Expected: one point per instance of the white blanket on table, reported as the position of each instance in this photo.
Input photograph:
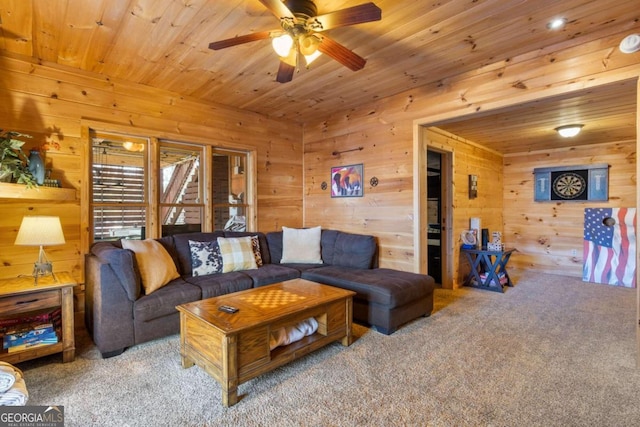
(288, 334)
(13, 390)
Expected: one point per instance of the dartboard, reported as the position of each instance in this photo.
(569, 185)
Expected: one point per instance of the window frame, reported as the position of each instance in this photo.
(246, 206)
(202, 204)
(153, 175)
(144, 204)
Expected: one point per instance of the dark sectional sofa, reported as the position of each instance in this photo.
(118, 314)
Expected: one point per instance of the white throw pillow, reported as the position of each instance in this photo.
(301, 245)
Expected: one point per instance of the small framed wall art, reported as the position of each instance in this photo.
(473, 186)
(346, 181)
(572, 183)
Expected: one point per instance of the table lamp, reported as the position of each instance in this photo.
(40, 231)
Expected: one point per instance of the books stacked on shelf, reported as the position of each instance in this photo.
(501, 277)
(52, 183)
(30, 330)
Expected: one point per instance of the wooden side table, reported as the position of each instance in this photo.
(19, 296)
(488, 269)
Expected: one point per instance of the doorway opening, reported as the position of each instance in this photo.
(434, 215)
(433, 200)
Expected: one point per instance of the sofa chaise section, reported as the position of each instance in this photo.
(384, 298)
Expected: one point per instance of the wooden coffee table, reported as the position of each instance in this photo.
(234, 348)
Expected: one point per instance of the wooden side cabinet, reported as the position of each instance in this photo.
(20, 297)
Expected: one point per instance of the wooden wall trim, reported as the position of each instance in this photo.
(569, 149)
(85, 190)
(637, 242)
(419, 201)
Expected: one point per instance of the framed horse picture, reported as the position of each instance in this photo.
(346, 181)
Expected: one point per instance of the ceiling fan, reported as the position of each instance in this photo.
(302, 34)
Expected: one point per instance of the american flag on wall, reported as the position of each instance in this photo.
(610, 246)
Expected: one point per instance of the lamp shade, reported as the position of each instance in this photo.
(40, 231)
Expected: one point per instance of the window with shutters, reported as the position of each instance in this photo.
(147, 187)
(119, 197)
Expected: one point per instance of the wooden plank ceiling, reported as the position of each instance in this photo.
(608, 113)
(164, 44)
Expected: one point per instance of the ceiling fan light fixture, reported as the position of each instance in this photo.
(299, 21)
(308, 44)
(569, 131)
(310, 58)
(291, 58)
(282, 45)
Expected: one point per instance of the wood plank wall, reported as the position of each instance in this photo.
(386, 129)
(385, 210)
(49, 102)
(549, 235)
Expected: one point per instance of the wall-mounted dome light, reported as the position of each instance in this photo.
(568, 131)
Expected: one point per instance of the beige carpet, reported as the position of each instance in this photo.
(551, 351)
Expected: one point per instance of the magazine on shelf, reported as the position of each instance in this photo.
(31, 329)
(37, 334)
(23, 347)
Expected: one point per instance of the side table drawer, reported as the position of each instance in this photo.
(30, 301)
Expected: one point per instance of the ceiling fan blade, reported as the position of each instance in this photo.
(239, 40)
(285, 72)
(278, 8)
(366, 12)
(341, 54)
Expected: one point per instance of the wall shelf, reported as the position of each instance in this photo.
(20, 191)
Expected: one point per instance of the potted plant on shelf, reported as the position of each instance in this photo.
(14, 164)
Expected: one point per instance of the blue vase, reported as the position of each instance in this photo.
(36, 166)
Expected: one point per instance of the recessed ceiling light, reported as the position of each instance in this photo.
(630, 44)
(556, 23)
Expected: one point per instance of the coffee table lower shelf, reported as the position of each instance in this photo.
(234, 348)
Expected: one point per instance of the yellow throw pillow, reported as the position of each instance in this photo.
(237, 254)
(156, 265)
